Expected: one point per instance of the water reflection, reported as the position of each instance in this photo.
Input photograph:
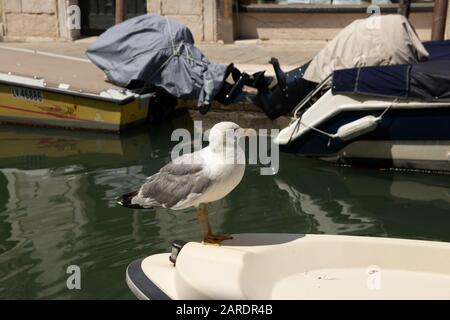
(57, 206)
(372, 202)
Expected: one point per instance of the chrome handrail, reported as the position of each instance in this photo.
(310, 96)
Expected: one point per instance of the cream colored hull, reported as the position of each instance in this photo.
(283, 266)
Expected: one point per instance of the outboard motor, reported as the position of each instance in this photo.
(280, 97)
(230, 92)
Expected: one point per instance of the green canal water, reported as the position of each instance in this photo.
(57, 207)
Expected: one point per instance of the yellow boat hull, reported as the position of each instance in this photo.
(31, 106)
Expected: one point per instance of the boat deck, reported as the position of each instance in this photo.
(73, 73)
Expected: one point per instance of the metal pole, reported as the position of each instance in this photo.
(404, 8)
(439, 19)
(121, 11)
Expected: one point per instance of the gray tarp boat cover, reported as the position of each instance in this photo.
(159, 52)
(374, 41)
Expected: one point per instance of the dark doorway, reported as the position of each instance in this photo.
(99, 15)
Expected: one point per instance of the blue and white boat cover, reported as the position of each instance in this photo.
(429, 80)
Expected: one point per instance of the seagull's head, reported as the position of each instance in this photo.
(226, 134)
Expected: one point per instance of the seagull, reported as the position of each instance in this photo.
(196, 179)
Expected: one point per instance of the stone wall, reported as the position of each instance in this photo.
(37, 20)
(310, 26)
(1, 21)
(30, 20)
(209, 21)
(199, 15)
(206, 19)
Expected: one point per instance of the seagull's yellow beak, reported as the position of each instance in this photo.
(249, 132)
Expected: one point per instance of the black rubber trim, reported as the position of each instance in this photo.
(137, 276)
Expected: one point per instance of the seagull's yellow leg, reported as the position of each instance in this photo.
(208, 236)
(203, 221)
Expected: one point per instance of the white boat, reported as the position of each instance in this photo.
(283, 266)
(357, 129)
(381, 100)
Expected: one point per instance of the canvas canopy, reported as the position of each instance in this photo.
(429, 80)
(438, 50)
(378, 40)
(159, 52)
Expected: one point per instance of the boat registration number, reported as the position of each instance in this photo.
(27, 94)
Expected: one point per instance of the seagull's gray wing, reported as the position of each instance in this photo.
(176, 185)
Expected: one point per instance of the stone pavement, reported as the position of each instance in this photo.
(249, 56)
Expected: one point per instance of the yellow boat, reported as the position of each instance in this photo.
(44, 89)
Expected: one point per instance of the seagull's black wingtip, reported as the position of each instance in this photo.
(125, 201)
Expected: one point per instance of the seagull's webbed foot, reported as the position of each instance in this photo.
(208, 236)
(216, 239)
